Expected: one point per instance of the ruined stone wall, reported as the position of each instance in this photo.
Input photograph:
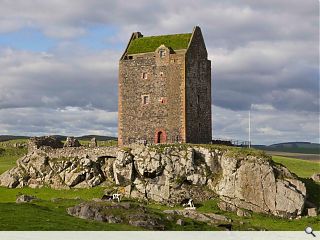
(78, 152)
(164, 85)
(198, 91)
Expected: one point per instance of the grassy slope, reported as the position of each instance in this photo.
(48, 215)
(303, 169)
(9, 154)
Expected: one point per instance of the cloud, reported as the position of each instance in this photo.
(80, 79)
(70, 121)
(264, 55)
(268, 125)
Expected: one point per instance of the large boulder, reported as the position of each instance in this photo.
(253, 183)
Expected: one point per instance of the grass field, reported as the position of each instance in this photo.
(49, 212)
(301, 168)
(10, 154)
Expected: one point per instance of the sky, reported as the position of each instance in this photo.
(59, 63)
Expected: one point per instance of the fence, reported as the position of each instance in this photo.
(231, 142)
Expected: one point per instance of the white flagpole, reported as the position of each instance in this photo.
(250, 128)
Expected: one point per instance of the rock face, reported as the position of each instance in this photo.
(167, 175)
(258, 185)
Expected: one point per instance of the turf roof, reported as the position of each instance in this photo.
(150, 44)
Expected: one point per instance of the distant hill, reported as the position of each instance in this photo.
(60, 137)
(98, 137)
(10, 137)
(294, 147)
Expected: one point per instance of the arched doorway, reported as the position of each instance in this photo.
(160, 137)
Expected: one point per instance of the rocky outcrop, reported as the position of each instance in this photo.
(118, 213)
(61, 168)
(260, 186)
(209, 218)
(72, 142)
(316, 177)
(25, 199)
(242, 179)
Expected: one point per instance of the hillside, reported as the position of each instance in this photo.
(293, 147)
(49, 210)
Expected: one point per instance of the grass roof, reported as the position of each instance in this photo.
(150, 44)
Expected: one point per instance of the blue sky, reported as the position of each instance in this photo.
(59, 63)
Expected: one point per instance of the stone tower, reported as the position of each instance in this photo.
(165, 89)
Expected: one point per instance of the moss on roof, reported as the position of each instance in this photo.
(150, 44)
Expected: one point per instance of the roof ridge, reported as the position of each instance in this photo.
(166, 35)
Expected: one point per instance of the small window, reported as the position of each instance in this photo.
(198, 99)
(162, 53)
(162, 100)
(144, 75)
(145, 99)
(130, 57)
(161, 74)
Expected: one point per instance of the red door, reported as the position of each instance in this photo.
(160, 137)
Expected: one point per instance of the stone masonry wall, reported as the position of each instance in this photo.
(198, 91)
(178, 88)
(164, 82)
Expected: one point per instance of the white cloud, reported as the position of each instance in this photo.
(83, 79)
(70, 121)
(264, 54)
(268, 125)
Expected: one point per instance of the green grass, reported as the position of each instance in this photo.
(49, 214)
(9, 154)
(150, 44)
(260, 221)
(301, 168)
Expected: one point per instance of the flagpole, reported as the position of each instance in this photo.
(250, 128)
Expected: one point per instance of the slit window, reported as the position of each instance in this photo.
(162, 53)
(145, 75)
(162, 100)
(145, 99)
